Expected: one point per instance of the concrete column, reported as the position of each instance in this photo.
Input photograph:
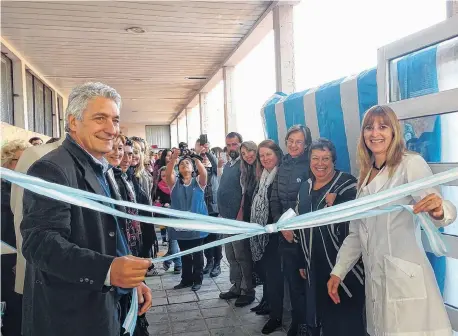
(56, 124)
(204, 124)
(20, 94)
(284, 48)
(188, 109)
(230, 117)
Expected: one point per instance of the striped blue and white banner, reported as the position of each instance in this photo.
(333, 110)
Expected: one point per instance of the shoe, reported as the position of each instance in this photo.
(292, 331)
(152, 272)
(215, 271)
(182, 285)
(177, 270)
(244, 300)
(228, 296)
(166, 265)
(164, 243)
(263, 311)
(208, 267)
(196, 287)
(271, 326)
(260, 306)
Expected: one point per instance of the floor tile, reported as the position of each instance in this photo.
(213, 303)
(182, 298)
(208, 295)
(229, 331)
(159, 302)
(158, 318)
(158, 294)
(185, 316)
(219, 311)
(172, 308)
(159, 329)
(188, 326)
(220, 322)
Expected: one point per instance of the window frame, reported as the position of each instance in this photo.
(12, 87)
(33, 127)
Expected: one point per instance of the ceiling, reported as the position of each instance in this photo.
(72, 42)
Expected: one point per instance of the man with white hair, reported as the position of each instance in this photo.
(78, 262)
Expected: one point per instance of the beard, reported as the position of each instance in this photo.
(234, 154)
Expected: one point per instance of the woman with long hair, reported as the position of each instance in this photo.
(264, 248)
(402, 296)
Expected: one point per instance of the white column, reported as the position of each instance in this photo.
(203, 113)
(284, 48)
(20, 94)
(230, 117)
(188, 109)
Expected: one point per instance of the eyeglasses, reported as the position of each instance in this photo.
(297, 143)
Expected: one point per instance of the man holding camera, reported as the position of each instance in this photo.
(214, 254)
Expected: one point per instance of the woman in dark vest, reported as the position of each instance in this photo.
(326, 187)
(293, 170)
(188, 195)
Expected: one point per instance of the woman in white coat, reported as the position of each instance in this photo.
(402, 296)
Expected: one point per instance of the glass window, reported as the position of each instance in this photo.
(39, 108)
(430, 70)
(60, 109)
(7, 102)
(49, 112)
(431, 137)
(30, 101)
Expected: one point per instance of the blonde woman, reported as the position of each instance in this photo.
(11, 152)
(402, 296)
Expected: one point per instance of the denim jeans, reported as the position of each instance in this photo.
(173, 248)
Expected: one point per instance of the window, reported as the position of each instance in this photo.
(39, 105)
(158, 136)
(60, 111)
(7, 102)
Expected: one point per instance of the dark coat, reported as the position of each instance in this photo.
(291, 173)
(69, 250)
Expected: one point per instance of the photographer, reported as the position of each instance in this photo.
(214, 254)
(187, 194)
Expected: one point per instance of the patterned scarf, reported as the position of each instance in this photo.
(133, 229)
(260, 213)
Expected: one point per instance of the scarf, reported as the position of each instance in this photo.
(260, 213)
(164, 187)
(133, 229)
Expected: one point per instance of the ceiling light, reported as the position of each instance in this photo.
(135, 30)
(196, 77)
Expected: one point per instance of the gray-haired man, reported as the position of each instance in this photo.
(77, 259)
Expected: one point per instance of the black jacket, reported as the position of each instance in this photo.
(69, 250)
(291, 173)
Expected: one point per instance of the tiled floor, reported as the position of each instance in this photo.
(185, 313)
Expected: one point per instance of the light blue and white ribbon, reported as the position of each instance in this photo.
(368, 206)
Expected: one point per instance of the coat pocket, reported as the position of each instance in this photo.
(404, 279)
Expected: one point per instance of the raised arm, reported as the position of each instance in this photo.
(202, 177)
(170, 176)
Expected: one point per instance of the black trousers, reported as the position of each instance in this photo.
(270, 271)
(214, 254)
(192, 264)
(12, 319)
(296, 284)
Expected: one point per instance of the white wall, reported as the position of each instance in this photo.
(133, 130)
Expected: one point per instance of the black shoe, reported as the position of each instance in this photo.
(292, 331)
(271, 326)
(215, 271)
(182, 285)
(228, 296)
(259, 307)
(263, 311)
(208, 267)
(177, 270)
(196, 287)
(244, 300)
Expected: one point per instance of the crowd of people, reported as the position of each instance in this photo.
(369, 276)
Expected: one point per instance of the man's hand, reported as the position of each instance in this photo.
(145, 298)
(303, 274)
(128, 271)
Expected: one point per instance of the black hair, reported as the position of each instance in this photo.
(161, 161)
(51, 140)
(234, 135)
(31, 140)
(323, 144)
(128, 142)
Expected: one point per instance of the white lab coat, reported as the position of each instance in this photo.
(402, 297)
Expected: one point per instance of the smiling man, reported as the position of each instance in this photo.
(78, 261)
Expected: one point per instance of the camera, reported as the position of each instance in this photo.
(185, 152)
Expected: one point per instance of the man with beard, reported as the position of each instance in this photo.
(229, 200)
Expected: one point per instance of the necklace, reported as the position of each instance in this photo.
(381, 167)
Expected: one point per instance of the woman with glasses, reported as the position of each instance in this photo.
(293, 170)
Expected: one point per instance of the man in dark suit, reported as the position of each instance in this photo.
(78, 262)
